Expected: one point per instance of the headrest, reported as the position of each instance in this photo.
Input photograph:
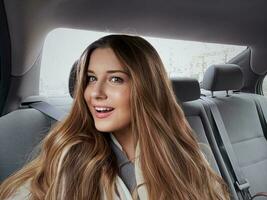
(223, 77)
(186, 89)
(72, 78)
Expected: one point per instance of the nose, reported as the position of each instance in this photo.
(99, 91)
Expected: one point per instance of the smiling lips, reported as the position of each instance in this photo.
(103, 111)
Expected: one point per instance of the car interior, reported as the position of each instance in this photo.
(227, 109)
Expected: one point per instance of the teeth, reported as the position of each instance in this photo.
(103, 109)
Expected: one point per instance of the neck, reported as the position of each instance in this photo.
(126, 140)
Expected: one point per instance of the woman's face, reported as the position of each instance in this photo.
(108, 91)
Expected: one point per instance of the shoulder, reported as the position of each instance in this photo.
(22, 193)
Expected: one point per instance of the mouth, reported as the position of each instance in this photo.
(103, 112)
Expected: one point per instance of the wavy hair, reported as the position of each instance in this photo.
(76, 161)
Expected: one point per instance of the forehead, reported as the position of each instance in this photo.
(103, 59)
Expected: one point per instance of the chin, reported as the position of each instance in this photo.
(104, 128)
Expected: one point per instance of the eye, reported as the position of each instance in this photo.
(116, 79)
(90, 79)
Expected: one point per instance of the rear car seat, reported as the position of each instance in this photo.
(187, 91)
(241, 120)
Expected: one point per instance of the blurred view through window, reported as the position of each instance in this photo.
(181, 58)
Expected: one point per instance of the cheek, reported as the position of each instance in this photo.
(122, 98)
(86, 96)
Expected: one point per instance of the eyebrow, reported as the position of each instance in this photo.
(109, 71)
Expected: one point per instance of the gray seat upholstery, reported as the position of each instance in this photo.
(242, 123)
(22, 130)
(198, 120)
(20, 133)
(194, 111)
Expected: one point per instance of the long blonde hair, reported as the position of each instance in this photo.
(76, 161)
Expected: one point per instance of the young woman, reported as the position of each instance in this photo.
(125, 137)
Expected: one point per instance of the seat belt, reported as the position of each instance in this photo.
(241, 182)
(47, 109)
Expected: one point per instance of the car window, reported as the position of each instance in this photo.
(181, 58)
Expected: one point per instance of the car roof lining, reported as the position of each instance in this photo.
(222, 21)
